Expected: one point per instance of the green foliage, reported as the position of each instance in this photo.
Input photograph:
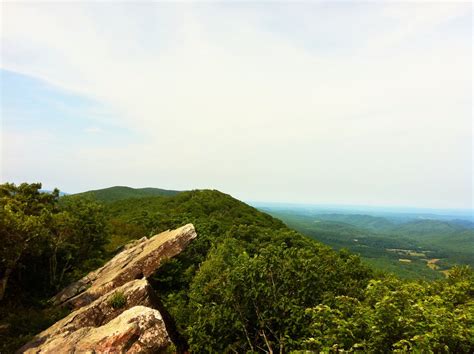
(397, 315)
(89, 233)
(45, 244)
(24, 218)
(374, 237)
(214, 214)
(248, 283)
(19, 323)
(112, 194)
(241, 302)
(228, 264)
(117, 300)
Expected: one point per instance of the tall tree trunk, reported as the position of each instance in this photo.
(53, 267)
(8, 271)
(4, 282)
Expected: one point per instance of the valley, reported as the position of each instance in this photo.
(409, 244)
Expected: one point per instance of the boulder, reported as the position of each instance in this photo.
(140, 260)
(97, 313)
(115, 310)
(139, 329)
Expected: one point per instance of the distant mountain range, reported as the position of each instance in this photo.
(383, 241)
(112, 194)
(394, 214)
(374, 233)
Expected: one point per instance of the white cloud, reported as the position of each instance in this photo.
(305, 102)
(93, 130)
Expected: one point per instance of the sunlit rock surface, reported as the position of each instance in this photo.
(114, 308)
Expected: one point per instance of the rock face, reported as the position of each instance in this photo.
(139, 329)
(115, 308)
(139, 260)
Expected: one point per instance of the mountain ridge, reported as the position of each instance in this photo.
(115, 193)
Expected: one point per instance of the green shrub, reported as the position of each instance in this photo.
(118, 300)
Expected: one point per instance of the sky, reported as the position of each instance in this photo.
(365, 103)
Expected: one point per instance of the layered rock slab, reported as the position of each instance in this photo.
(139, 329)
(135, 262)
(114, 310)
(96, 314)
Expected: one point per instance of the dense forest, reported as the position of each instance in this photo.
(248, 283)
(408, 245)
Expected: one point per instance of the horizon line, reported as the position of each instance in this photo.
(344, 205)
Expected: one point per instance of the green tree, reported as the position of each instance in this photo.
(24, 216)
(44, 240)
(398, 315)
(89, 232)
(242, 302)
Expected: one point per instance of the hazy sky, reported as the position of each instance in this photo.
(338, 102)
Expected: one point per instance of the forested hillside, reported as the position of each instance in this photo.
(411, 248)
(248, 283)
(112, 194)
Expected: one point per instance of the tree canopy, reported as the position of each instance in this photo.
(248, 283)
(46, 243)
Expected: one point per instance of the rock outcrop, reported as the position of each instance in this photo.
(139, 329)
(114, 308)
(135, 262)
